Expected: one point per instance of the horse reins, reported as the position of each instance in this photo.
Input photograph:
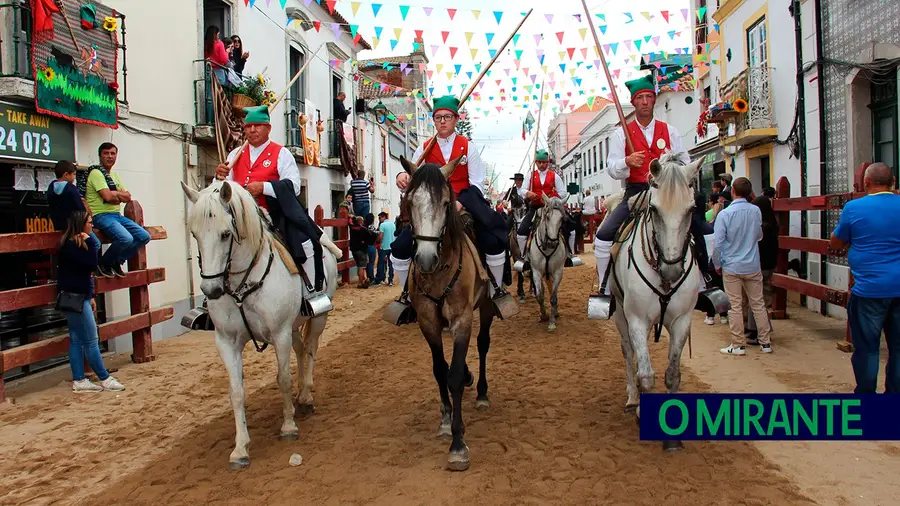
(244, 289)
(543, 226)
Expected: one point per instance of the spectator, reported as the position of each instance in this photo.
(726, 188)
(63, 196)
(75, 298)
(700, 231)
(359, 243)
(347, 203)
(237, 55)
(713, 208)
(370, 247)
(868, 227)
(214, 51)
(737, 230)
(768, 258)
(769, 192)
(361, 190)
(589, 206)
(341, 113)
(104, 194)
(386, 231)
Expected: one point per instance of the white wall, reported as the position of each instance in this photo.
(672, 109)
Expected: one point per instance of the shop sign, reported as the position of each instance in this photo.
(27, 135)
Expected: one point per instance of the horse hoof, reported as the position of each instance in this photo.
(305, 409)
(482, 404)
(239, 464)
(458, 461)
(551, 327)
(444, 432)
(630, 408)
(521, 300)
(637, 412)
(673, 446)
(289, 436)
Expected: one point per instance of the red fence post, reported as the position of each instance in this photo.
(141, 339)
(2, 389)
(344, 235)
(779, 295)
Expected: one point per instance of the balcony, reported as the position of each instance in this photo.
(333, 131)
(752, 88)
(16, 56)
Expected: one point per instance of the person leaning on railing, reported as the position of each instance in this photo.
(78, 252)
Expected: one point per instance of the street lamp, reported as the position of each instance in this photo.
(380, 111)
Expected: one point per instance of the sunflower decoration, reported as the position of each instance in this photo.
(740, 105)
(110, 24)
(49, 74)
(261, 79)
(271, 96)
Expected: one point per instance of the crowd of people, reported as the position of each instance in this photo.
(370, 242)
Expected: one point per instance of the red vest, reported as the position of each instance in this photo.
(264, 170)
(660, 132)
(548, 188)
(459, 180)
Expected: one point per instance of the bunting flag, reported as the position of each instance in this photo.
(375, 9)
(475, 14)
(451, 13)
(427, 11)
(404, 10)
(498, 15)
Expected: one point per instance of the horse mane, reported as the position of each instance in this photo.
(672, 183)
(429, 178)
(209, 212)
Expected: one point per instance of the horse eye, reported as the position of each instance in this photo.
(226, 235)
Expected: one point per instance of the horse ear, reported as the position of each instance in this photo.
(448, 169)
(191, 193)
(225, 192)
(655, 168)
(691, 169)
(407, 165)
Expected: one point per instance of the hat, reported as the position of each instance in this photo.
(256, 115)
(88, 15)
(640, 86)
(448, 102)
(541, 155)
(517, 176)
(727, 177)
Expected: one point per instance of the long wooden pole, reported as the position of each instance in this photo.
(468, 92)
(537, 131)
(280, 97)
(612, 87)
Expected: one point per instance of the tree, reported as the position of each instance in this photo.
(464, 126)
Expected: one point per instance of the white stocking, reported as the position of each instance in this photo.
(495, 264)
(401, 268)
(601, 254)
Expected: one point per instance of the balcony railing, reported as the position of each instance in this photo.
(333, 157)
(754, 85)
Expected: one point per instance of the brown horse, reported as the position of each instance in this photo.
(446, 282)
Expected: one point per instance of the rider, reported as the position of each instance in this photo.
(543, 182)
(262, 168)
(517, 179)
(651, 139)
(466, 181)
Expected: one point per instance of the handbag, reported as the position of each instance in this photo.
(69, 301)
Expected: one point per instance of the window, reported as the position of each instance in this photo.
(700, 36)
(384, 157)
(296, 97)
(337, 86)
(595, 159)
(757, 55)
(884, 120)
(602, 156)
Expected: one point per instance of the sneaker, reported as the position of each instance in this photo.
(733, 350)
(765, 348)
(723, 320)
(390, 283)
(85, 385)
(112, 384)
(105, 271)
(117, 271)
(709, 320)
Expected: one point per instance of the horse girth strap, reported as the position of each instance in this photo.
(664, 298)
(439, 301)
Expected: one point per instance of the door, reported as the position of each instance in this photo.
(758, 78)
(296, 97)
(217, 13)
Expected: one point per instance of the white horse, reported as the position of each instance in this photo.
(547, 255)
(655, 277)
(240, 258)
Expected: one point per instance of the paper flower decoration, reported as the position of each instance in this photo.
(740, 105)
(110, 24)
(49, 74)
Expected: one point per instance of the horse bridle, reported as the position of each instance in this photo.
(547, 240)
(244, 289)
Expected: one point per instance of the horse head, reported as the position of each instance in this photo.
(552, 215)
(432, 211)
(670, 207)
(225, 223)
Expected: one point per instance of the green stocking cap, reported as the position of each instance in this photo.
(641, 85)
(541, 155)
(256, 115)
(449, 103)
(88, 15)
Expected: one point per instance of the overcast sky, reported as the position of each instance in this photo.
(565, 87)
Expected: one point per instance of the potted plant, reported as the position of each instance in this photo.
(252, 91)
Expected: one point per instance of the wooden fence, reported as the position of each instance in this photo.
(342, 225)
(783, 205)
(136, 281)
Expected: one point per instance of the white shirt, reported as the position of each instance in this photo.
(476, 166)
(287, 167)
(589, 206)
(558, 183)
(616, 158)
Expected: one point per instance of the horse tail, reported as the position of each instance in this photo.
(326, 242)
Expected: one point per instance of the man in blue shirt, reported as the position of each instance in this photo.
(738, 229)
(386, 231)
(868, 226)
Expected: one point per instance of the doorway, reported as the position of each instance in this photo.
(217, 13)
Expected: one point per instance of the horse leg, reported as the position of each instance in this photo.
(631, 389)
(538, 284)
(283, 343)
(554, 300)
(679, 332)
(231, 354)
(521, 290)
(638, 333)
(484, 344)
(311, 333)
(458, 459)
(441, 370)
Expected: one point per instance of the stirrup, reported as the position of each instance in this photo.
(315, 303)
(600, 307)
(505, 306)
(521, 266)
(573, 261)
(400, 312)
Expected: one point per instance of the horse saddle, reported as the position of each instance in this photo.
(624, 231)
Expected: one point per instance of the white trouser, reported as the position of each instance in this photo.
(401, 269)
(601, 254)
(572, 242)
(495, 264)
(309, 266)
(522, 239)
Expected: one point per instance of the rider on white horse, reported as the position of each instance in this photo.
(262, 168)
(543, 181)
(467, 182)
(651, 139)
